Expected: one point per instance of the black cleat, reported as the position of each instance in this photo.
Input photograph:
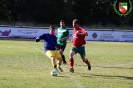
(61, 70)
(89, 67)
(72, 70)
(64, 62)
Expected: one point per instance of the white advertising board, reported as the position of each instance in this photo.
(103, 35)
(92, 35)
(21, 32)
(126, 36)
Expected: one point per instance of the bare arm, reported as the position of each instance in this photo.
(82, 34)
(65, 38)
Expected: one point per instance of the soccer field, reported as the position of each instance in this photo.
(23, 64)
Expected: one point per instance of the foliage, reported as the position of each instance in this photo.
(52, 11)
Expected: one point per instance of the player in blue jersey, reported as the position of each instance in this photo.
(51, 47)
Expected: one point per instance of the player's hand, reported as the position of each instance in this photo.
(62, 39)
(86, 33)
(56, 48)
(38, 39)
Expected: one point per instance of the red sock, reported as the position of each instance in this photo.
(87, 62)
(71, 62)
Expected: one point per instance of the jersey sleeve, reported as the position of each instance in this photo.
(43, 36)
(40, 37)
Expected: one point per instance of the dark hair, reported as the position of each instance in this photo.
(76, 21)
(51, 27)
(62, 21)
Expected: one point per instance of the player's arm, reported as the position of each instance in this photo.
(40, 37)
(67, 37)
(82, 34)
(57, 46)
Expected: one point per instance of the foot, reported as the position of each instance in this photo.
(89, 67)
(57, 70)
(64, 62)
(72, 70)
(61, 70)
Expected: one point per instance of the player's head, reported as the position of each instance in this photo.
(62, 23)
(75, 23)
(51, 30)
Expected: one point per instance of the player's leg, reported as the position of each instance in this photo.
(62, 48)
(81, 51)
(50, 54)
(71, 59)
(85, 60)
(58, 57)
(53, 62)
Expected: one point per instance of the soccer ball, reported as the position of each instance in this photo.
(54, 73)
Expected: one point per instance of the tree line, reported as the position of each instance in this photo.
(89, 12)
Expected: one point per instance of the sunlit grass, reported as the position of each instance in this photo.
(23, 64)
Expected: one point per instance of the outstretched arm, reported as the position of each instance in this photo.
(40, 37)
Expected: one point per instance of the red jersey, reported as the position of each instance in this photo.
(78, 40)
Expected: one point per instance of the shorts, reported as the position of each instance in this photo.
(62, 47)
(54, 53)
(80, 50)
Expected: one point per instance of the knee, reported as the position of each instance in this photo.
(60, 59)
(72, 53)
(52, 58)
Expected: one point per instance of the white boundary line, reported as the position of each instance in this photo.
(125, 64)
(75, 81)
(67, 74)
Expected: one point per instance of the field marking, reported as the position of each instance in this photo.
(75, 81)
(125, 64)
(67, 74)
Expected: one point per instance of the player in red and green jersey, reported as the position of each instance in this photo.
(78, 45)
(63, 35)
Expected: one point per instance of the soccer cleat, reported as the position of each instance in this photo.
(63, 59)
(57, 70)
(61, 70)
(72, 70)
(64, 62)
(55, 67)
(89, 67)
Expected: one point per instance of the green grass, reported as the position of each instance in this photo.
(23, 64)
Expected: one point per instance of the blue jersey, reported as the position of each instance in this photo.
(49, 41)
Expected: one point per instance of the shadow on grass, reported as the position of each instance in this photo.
(61, 76)
(113, 67)
(108, 76)
(106, 67)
